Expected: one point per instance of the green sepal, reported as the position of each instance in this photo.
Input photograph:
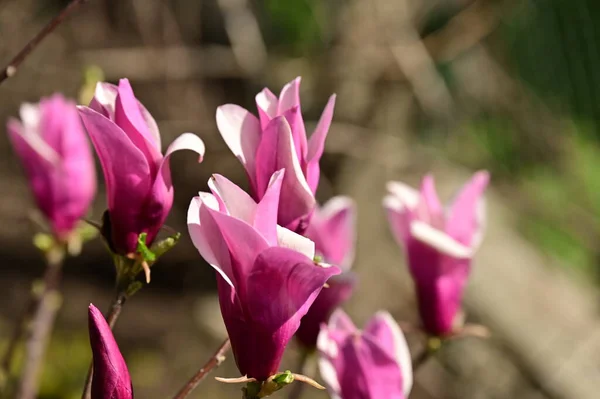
(143, 250)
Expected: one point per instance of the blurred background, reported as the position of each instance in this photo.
(448, 86)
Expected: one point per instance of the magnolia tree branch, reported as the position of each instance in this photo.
(111, 318)
(19, 329)
(215, 361)
(10, 69)
(41, 327)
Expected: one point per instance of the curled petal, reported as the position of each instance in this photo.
(160, 200)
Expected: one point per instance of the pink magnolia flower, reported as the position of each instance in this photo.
(58, 161)
(111, 377)
(333, 230)
(439, 245)
(266, 275)
(137, 174)
(278, 141)
(371, 364)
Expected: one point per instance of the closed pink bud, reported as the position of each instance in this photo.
(137, 174)
(56, 155)
(267, 278)
(439, 244)
(333, 230)
(371, 364)
(278, 141)
(111, 378)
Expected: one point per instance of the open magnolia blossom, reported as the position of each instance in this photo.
(266, 275)
(137, 174)
(439, 244)
(58, 161)
(277, 140)
(111, 376)
(371, 364)
(333, 230)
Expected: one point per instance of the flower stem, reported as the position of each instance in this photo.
(10, 69)
(42, 322)
(111, 318)
(215, 361)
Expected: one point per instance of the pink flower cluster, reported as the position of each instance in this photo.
(282, 262)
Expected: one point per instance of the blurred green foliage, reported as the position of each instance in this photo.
(295, 25)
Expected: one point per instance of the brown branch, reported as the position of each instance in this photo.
(12, 66)
(214, 362)
(111, 318)
(41, 327)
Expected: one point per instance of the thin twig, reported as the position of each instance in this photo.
(421, 359)
(18, 331)
(111, 318)
(297, 388)
(41, 327)
(12, 66)
(214, 362)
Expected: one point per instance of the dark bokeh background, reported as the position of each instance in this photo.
(450, 86)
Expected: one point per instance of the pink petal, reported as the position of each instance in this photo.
(338, 290)
(243, 241)
(407, 196)
(126, 171)
(276, 151)
(355, 365)
(265, 218)
(232, 199)
(430, 209)
(206, 236)
(288, 239)
(241, 132)
(129, 117)
(341, 322)
(296, 122)
(399, 219)
(280, 290)
(111, 376)
(316, 144)
(289, 96)
(160, 200)
(267, 104)
(384, 330)
(105, 98)
(333, 229)
(464, 220)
